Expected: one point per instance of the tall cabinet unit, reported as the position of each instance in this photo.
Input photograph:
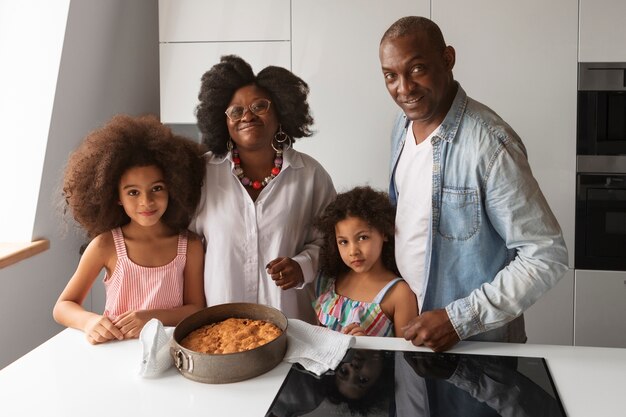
(335, 49)
(519, 58)
(602, 31)
(600, 296)
(194, 34)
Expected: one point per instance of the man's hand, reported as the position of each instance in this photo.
(432, 329)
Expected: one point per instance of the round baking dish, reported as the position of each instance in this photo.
(229, 367)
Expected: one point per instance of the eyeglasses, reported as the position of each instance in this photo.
(258, 107)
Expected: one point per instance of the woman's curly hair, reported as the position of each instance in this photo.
(365, 203)
(288, 94)
(94, 170)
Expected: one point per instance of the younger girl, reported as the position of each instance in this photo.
(133, 186)
(366, 297)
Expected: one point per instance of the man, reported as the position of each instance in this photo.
(476, 239)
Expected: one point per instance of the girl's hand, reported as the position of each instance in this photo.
(131, 322)
(100, 329)
(285, 272)
(354, 329)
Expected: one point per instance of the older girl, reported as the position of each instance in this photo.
(133, 186)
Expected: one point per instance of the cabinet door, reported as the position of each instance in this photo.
(519, 58)
(182, 66)
(602, 31)
(600, 309)
(335, 50)
(223, 20)
(550, 321)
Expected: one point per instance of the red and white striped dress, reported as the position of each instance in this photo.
(135, 287)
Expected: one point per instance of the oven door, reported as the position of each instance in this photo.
(601, 109)
(601, 123)
(601, 221)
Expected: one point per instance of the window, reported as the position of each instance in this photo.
(31, 43)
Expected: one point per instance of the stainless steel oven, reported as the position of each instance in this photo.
(600, 221)
(600, 240)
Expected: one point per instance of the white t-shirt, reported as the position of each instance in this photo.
(242, 235)
(413, 181)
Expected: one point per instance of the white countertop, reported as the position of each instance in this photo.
(66, 376)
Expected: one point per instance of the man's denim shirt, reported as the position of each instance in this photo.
(495, 246)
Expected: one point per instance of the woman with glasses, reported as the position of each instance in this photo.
(260, 195)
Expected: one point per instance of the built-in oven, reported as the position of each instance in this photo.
(601, 126)
(601, 221)
(600, 237)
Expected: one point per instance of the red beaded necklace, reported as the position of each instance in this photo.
(257, 185)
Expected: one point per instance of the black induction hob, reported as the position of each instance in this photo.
(421, 384)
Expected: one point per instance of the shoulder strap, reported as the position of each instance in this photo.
(381, 294)
(118, 239)
(182, 243)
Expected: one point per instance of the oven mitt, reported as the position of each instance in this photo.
(156, 341)
(316, 348)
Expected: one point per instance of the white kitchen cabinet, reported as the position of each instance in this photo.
(600, 308)
(550, 320)
(335, 50)
(223, 20)
(194, 34)
(520, 59)
(182, 66)
(602, 31)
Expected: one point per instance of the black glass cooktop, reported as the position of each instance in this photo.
(421, 384)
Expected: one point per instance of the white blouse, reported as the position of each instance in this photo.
(242, 236)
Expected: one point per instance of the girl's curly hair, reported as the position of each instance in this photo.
(365, 203)
(288, 94)
(94, 170)
(375, 400)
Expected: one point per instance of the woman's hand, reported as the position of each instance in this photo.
(354, 329)
(131, 322)
(285, 272)
(99, 329)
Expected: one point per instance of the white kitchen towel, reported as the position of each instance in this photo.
(316, 348)
(156, 340)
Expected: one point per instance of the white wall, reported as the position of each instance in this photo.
(109, 65)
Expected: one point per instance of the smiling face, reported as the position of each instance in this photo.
(418, 76)
(143, 194)
(253, 131)
(359, 244)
